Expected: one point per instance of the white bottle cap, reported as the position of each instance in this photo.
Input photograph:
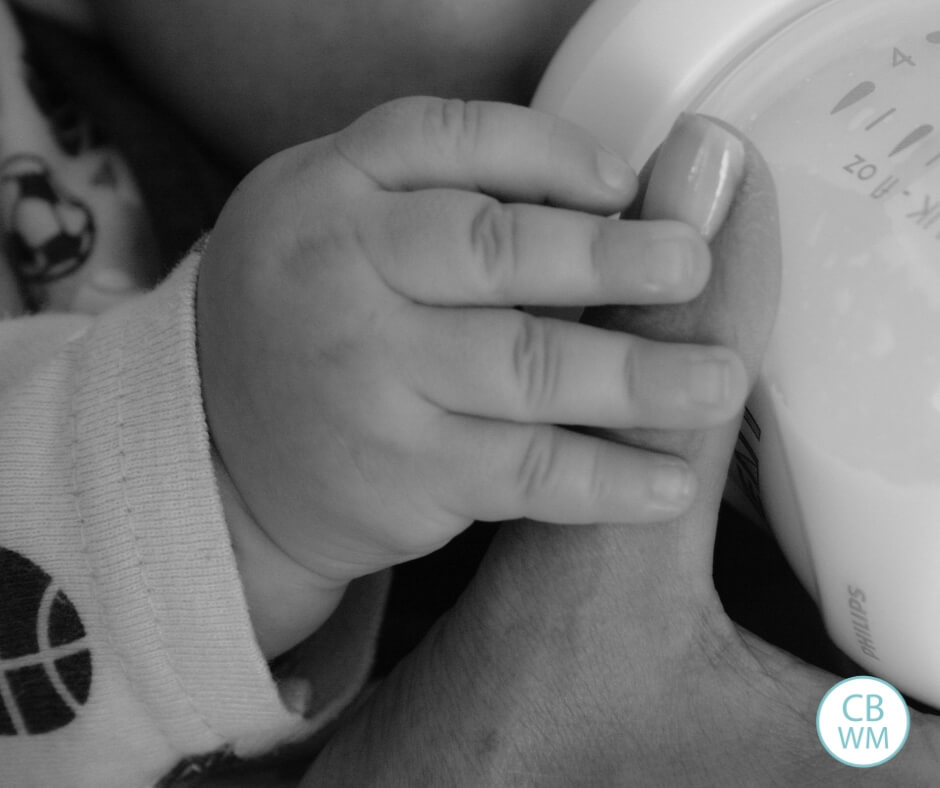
(659, 57)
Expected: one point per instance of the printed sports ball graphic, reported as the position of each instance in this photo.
(45, 664)
(47, 232)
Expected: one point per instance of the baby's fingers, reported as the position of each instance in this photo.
(510, 152)
(553, 475)
(449, 247)
(503, 364)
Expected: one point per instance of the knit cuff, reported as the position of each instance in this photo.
(167, 578)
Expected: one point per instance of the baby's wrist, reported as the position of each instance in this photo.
(286, 601)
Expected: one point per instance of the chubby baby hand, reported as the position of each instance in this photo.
(371, 389)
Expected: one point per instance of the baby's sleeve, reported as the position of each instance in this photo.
(125, 642)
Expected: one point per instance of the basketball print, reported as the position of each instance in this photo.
(45, 662)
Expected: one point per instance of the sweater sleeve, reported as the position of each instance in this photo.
(125, 642)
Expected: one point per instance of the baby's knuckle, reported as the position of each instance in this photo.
(493, 244)
(630, 375)
(597, 262)
(539, 467)
(599, 486)
(535, 364)
(453, 126)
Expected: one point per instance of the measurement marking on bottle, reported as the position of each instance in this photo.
(858, 93)
(917, 135)
(881, 119)
(901, 58)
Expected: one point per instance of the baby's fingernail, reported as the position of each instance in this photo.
(614, 171)
(697, 172)
(710, 383)
(673, 485)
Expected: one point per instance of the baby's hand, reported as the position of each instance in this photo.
(369, 387)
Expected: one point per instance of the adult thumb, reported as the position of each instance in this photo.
(738, 305)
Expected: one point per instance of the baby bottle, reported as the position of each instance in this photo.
(843, 430)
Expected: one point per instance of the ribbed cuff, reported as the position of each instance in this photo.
(167, 578)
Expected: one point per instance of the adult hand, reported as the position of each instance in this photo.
(603, 656)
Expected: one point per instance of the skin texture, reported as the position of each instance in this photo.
(590, 656)
(602, 655)
(254, 78)
(370, 389)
